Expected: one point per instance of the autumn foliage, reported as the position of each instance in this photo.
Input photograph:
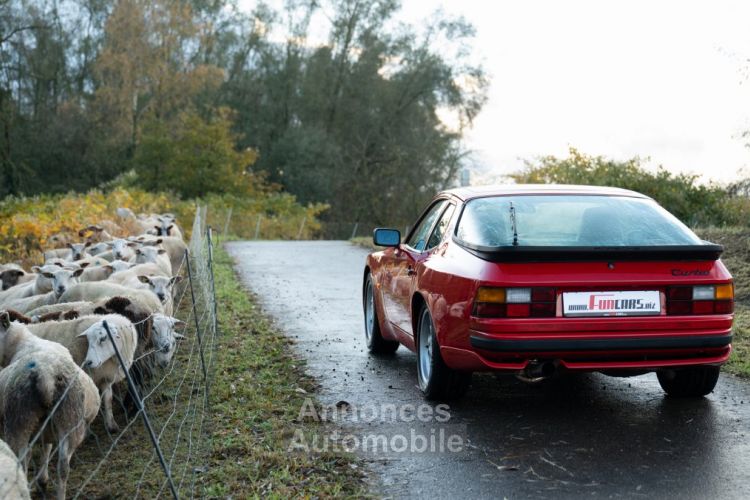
(28, 225)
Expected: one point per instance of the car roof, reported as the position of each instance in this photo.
(470, 192)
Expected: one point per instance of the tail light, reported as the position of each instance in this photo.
(700, 299)
(493, 302)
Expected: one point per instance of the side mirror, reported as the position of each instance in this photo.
(386, 237)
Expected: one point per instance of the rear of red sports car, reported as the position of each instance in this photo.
(540, 281)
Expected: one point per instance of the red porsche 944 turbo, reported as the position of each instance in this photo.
(540, 279)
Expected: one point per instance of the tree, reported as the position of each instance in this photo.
(354, 123)
(195, 156)
(681, 194)
(145, 68)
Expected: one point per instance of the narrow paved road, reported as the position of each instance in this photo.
(586, 436)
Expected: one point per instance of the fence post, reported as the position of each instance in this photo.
(209, 235)
(226, 224)
(195, 315)
(301, 227)
(139, 404)
(354, 231)
(257, 227)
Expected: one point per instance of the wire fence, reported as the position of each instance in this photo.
(149, 436)
(263, 227)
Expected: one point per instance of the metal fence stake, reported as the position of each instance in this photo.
(226, 224)
(301, 228)
(195, 315)
(354, 231)
(257, 227)
(139, 404)
(209, 234)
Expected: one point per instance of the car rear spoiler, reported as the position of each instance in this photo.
(706, 252)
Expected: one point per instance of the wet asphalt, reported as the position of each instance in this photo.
(583, 436)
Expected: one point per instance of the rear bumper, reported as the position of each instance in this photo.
(637, 344)
(615, 344)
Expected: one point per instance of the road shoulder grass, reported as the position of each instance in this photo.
(256, 397)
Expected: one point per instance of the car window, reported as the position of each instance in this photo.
(571, 220)
(418, 238)
(441, 227)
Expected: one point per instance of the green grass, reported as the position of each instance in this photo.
(256, 399)
(365, 242)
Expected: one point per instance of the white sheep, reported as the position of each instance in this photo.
(62, 279)
(156, 255)
(160, 286)
(175, 247)
(96, 290)
(88, 343)
(123, 249)
(121, 265)
(36, 375)
(140, 314)
(40, 285)
(57, 253)
(90, 261)
(13, 482)
(57, 261)
(164, 337)
(150, 269)
(97, 273)
(78, 251)
(125, 213)
(29, 303)
(99, 248)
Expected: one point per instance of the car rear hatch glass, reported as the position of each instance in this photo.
(576, 227)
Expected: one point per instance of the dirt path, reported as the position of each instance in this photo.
(585, 436)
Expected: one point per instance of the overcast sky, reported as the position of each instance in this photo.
(665, 79)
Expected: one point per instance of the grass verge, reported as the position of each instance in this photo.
(255, 399)
(364, 242)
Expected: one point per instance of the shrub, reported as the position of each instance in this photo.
(694, 203)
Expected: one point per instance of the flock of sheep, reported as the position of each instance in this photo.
(57, 361)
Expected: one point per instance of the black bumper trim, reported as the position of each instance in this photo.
(521, 345)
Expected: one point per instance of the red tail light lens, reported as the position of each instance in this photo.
(543, 295)
(489, 310)
(700, 299)
(518, 310)
(703, 307)
(543, 310)
(494, 302)
(679, 308)
(680, 293)
(724, 306)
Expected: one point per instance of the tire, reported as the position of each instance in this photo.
(435, 378)
(693, 382)
(376, 344)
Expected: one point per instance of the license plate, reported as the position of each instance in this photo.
(630, 303)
